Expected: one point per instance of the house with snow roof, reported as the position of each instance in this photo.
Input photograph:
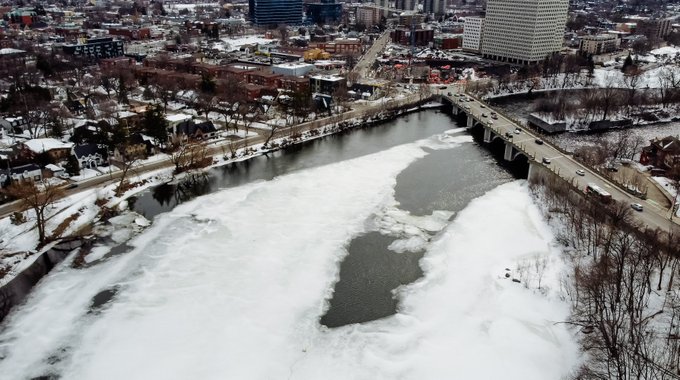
(137, 146)
(56, 150)
(663, 153)
(28, 172)
(90, 155)
(195, 131)
(13, 124)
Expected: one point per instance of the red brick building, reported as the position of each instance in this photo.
(352, 46)
(131, 33)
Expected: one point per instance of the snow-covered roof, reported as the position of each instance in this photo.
(148, 138)
(177, 117)
(46, 144)
(124, 114)
(54, 168)
(294, 65)
(11, 51)
(330, 78)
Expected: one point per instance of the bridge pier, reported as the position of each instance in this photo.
(508, 152)
(487, 135)
(470, 121)
(454, 109)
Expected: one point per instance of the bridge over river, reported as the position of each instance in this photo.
(522, 144)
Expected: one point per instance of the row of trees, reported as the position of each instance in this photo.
(620, 96)
(622, 287)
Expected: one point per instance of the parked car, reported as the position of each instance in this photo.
(636, 206)
(448, 94)
(442, 88)
(581, 172)
(546, 160)
(538, 141)
(612, 169)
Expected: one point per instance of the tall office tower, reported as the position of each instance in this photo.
(435, 7)
(523, 31)
(384, 7)
(407, 5)
(275, 12)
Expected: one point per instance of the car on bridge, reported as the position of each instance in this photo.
(581, 172)
(508, 135)
(546, 160)
(637, 207)
(484, 115)
(494, 115)
(538, 141)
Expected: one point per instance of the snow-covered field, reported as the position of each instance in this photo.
(204, 297)
(652, 78)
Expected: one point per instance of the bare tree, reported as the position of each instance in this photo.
(36, 196)
(424, 91)
(283, 34)
(188, 155)
(127, 164)
(669, 81)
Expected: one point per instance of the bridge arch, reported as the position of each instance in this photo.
(477, 131)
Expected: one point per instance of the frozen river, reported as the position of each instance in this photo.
(376, 254)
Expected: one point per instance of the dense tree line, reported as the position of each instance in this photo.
(622, 287)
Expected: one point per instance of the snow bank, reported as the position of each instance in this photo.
(232, 285)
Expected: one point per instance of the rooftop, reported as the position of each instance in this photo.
(47, 144)
(330, 78)
(177, 117)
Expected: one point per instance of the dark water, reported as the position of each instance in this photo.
(368, 275)
(443, 180)
(344, 146)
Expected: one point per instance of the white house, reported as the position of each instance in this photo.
(13, 124)
(90, 156)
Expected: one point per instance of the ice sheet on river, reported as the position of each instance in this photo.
(232, 285)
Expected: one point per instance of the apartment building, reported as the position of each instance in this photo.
(472, 33)
(599, 44)
(523, 31)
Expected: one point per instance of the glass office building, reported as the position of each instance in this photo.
(326, 11)
(275, 12)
